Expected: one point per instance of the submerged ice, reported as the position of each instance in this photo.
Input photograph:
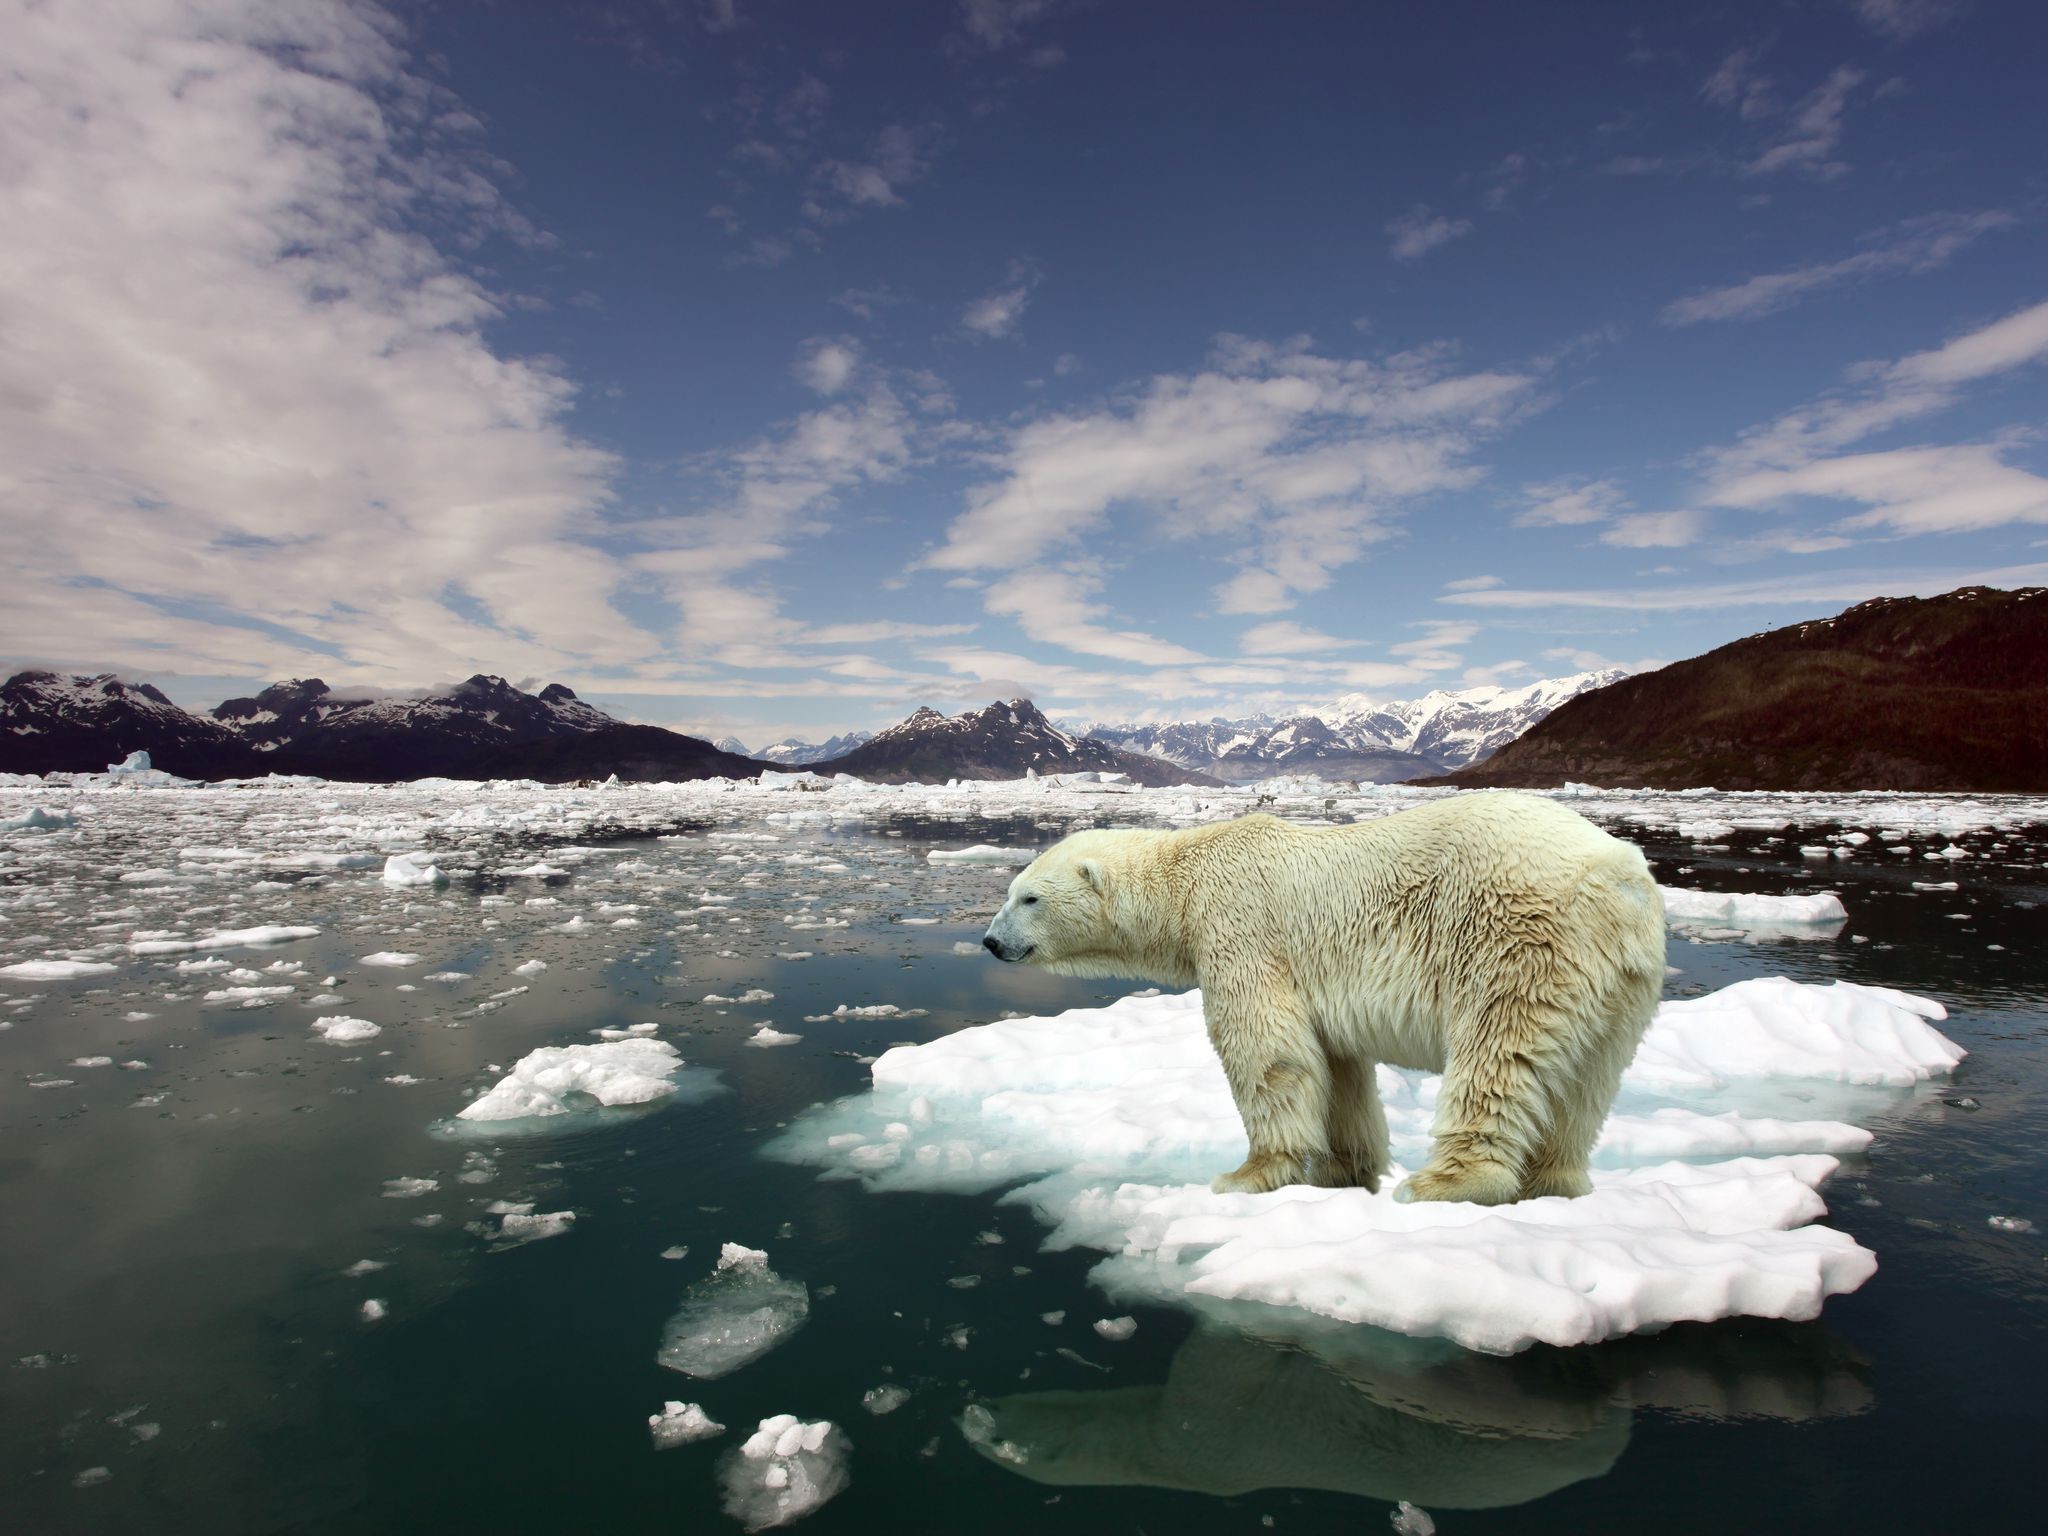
(734, 1316)
(784, 1470)
(1703, 1203)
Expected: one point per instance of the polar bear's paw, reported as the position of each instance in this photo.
(1259, 1174)
(1484, 1183)
(1335, 1170)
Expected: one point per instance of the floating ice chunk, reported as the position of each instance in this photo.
(886, 1398)
(92, 1477)
(786, 1469)
(679, 1424)
(2010, 1223)
(55, 970)
(1934, 885)
(519, 1222)
(1743, 909)
(530, 968)
(200, 967)
(233, 938)
(340, 1029)
(539, 870)
(36, 819)
(1770, 1027)
(248, 997)
(92, 1061)
(867, 1011)
(1408, 1520)
(561, 1080)
(738, 1313)
(391, 957)
(409, 1188)
(363, 1267)
(983, 853)
(1116, 1329)
(751, 995)
(374, 1309)
(410, 869)
(768, 1035)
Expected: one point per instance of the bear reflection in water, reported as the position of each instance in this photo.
(1392, 1418)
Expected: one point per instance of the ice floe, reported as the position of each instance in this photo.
(784, 1470)
(983, 853)
(340, 1029)
(54, 970)
(566, 1080)
(734, 1316)
(1702, 1205)
(679, 1424)
(233, 938)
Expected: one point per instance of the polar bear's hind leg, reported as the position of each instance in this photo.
(1356, 1136)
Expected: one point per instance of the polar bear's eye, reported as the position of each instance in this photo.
(1030, 901)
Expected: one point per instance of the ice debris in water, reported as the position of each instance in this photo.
(738, 1313)
(92, 1477)
(1109, 1122)
(409, 1188)
(562, 1079)
(374, 1310)
(1116, 1329)
(886, 1398)
(365, 1267)
(768, 1035)
(404, 869)
(2011, 1223)
(391, 957)
(786, 1469)
(979, 1426)
(232, 938)
(679, 1424)
(1407, 1520)
(340, 1029)
(519, 1223)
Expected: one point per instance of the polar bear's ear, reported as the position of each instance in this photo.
(1092, 872)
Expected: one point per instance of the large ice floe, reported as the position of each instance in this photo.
(560, 1084)
(1110, 1122)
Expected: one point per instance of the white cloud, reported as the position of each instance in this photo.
(1284, 637)
(827, 363)
(1809, 141)
(1561, 503)
(1287, 463)
(1473, 583)
(996, 314)
(1919, 245)
(1951, 489)
(1736, 83)
(1499, 674)
(897, 156)
(1421, 230)
(1903, 19)
(1835, 587)
(239, 381)
(994, 24)
(1655, 530)
(1056, 607)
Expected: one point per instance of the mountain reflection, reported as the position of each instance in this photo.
(1392, 1418)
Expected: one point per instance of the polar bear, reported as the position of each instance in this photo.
(1497, 938)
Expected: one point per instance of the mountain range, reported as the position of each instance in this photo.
(481, 728)
(1009, 739)
(1356, 737)
(1898, 693)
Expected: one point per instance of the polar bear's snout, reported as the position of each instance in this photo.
(1003, 951)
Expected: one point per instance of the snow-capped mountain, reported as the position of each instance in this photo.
(733, 745)
(1007, 740)
(50, 722)
(482, 728)
(1357, 737)
(791, 753)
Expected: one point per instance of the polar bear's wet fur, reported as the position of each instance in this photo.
(1497, 938)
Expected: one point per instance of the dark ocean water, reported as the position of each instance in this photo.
(184, 1259)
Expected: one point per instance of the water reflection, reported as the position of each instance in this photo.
(1391, 1418)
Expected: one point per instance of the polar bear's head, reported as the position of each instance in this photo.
(1072, 910)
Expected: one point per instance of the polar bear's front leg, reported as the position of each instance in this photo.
(1356, 1134)
(1277, 1076)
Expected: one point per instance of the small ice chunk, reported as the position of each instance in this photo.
(92, 1477)
(340, 1029)
(561, 1079)
(679, 1424)
(92, 1061)
(768, 1035)
(886, 1398)
(1116, 1329)
(676, 1251)
(530, 968)
(365, 1267)
(2010, 1223)
(982, 853)
(751, 995)
(409, 1188)
(786, 1469)
(374, 1309)
(738, 1313)
(391, 957)
(1408, 1520)
(406, 869)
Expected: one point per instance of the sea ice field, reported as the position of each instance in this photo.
(508, 1157)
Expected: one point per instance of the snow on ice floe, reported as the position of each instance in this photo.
(784, 1470)
(563, 1083)
(1112, 1120)
(734, 1316)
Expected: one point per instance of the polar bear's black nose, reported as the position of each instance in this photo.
(990, 943)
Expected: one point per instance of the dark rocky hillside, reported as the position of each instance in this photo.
(1941, 693)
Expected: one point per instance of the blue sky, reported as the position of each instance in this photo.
(771, 368)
